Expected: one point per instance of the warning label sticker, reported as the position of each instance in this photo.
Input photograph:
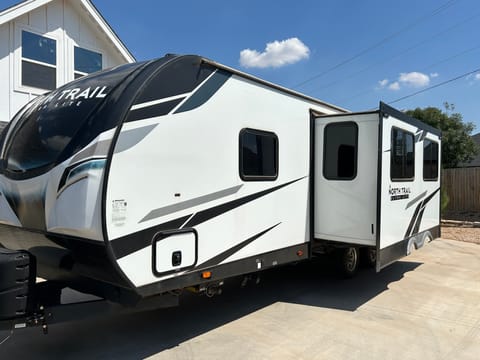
(119, 212)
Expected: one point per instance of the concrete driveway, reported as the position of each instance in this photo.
(424, 307)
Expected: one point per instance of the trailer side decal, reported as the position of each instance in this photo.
(205, 92)
(414, 201)
(190, 203)
(417, 216)
(130, 138)
(158, 109)
(229, 252)
(129, 244)
(215, 211)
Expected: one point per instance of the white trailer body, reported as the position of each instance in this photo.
(181, 172)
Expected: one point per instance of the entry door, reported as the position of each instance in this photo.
(345, 178)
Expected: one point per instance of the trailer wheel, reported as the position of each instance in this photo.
(427, 238)
(350, 259)
(368, 257)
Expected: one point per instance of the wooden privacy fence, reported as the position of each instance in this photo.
(463, 188)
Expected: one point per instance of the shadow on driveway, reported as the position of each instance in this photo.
(141, 335)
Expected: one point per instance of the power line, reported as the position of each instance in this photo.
(364, 92)
(434, 86)
(378, 44)
(460, 23)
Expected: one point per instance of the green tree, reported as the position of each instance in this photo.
(457, 145)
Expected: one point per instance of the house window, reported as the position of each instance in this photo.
(402, 155)
(340, 151)
(86, 61)
(430, 160)
(258, 155)
(39, 61)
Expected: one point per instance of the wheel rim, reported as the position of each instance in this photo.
(350, 259)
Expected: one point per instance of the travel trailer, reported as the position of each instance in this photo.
(178, 173)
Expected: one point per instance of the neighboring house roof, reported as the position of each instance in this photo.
(26, 6)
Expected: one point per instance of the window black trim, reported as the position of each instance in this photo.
(240, 155)
(342, 123)
(403, 179)
(438, 163)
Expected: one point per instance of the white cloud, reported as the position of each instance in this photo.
(394, 86)
(276, 54)
(383, 83)
(477, 76)
(411, 79)
(414, 79)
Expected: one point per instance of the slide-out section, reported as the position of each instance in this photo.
(409, 185)
(376, 182)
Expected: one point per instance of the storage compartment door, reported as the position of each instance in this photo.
(174, 252)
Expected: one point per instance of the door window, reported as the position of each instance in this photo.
(340, 151)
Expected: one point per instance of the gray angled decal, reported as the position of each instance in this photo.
(130, 138)
(165, 210)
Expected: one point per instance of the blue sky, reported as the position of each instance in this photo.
(346, 52)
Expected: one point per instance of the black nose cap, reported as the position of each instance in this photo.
(176, 258)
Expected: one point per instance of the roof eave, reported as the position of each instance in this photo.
(24, 7)
(112, 36)
(19, 9)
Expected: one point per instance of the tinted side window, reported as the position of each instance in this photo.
(340, 151)
(430, 160)
(402, 155)
(258, 155)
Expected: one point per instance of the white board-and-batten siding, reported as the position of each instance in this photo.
(65, 21)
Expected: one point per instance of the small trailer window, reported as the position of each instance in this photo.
(340, 151)
(258, 155)
(430, 160)
(402, 158)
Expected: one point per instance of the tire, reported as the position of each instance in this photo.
(368, 257)
(349, 261)
(427, 238)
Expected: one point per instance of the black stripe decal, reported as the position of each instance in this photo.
(206, 91)
(133, 242)
(229, 252)
(414, 225)
(153, 111)
(128, 244)
(215, 211)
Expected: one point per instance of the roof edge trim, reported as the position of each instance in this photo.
(272, 85)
